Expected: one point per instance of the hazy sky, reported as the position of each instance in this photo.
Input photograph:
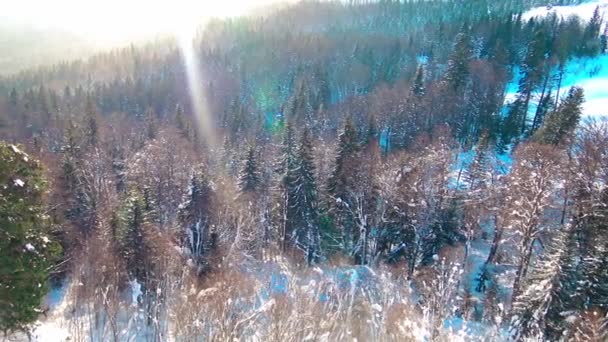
(115, 20)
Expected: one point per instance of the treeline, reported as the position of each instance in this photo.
(314, 62)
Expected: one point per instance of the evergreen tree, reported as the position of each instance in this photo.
(195, 217)
(150, 205)
(594, 265)
(418, 87)
(136, 249)
(457, 72)
(476, 174)
(304, 199)
(286, 170)
(604, 41)
(91, 125)
(27, 247)
(298, 108)
(249, 179)
(538, 311)
(345, 166)
(544, 107)
(531, 74)
(151, 124)
(560, 123)
(180, 121)
(71, 175)
(510, 127)
(341, 185)
(119, 167)
(590, 45)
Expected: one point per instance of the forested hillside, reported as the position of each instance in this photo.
(328, 171)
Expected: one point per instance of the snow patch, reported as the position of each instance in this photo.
(585, 11)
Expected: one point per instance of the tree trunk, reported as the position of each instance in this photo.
(490, 260)
(522, 267)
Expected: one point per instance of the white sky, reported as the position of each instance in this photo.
(114, 20)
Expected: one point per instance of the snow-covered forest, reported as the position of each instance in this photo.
(323, 171)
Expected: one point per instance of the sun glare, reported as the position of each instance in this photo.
(114, 21)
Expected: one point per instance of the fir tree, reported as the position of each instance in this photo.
(560, 123)
(457, 72)
(590, 45)
(286, 170)
(544, 107)
(341, 184)
(476, 174)
(27, 247)
(151, 124)
(195, 217)
(180, 121)
(136, 249)
(604, 41)
(418, 88)
(304, 199)
(249, 179)
(119, 167)
(347, 152)
(71, 176)
(91, 125)
(531, 75)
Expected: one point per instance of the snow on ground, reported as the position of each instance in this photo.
(585, 10)
(589, 73)
(50, 327)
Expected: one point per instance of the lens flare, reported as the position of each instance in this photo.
(195, 79)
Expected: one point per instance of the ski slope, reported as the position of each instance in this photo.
(590, 74)
(585, 10)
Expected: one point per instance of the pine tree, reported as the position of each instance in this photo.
(304, 200)
(119, 167)
(544, 107)
(538, 310)
(457, 72)
(151, 124)
(510, 126)
(604, 41)
(136, 249)
(348, 149)
(341, 185)
(71, 176)
(195, 217)
(298, 108)
(180, 121)
(418, 88)
(530, 76)
(590, 45)
(150, 205)
(91, 125)
(594, 265)
(476, 174)
(27, 247)
(286, 170)
(249, 180)
(561, 123)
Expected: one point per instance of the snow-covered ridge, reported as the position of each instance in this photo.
(591, 74)
(585, 11)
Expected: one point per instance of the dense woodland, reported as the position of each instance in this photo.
(368, 138)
